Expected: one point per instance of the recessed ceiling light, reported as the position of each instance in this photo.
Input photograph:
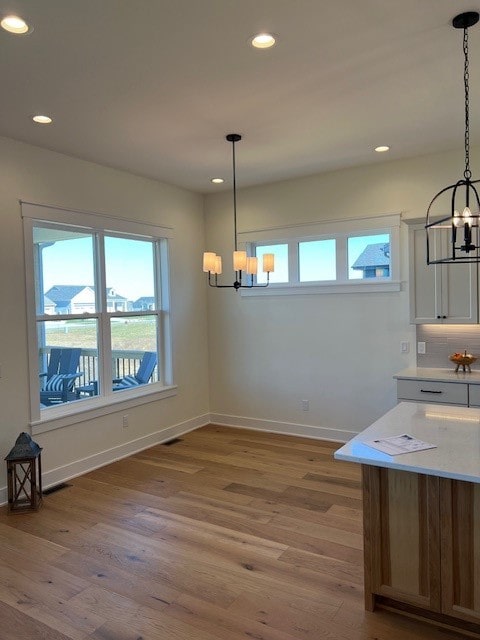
(15, 24)
(42, 119)
(217, 180)
(263, 41)
(382, 148)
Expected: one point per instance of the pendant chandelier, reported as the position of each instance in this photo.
(455, 238)
(244, 266)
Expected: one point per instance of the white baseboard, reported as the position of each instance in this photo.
(287, 428)
(79, 467)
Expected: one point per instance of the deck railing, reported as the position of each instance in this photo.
(124, 363)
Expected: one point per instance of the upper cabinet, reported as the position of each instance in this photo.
(445, 293)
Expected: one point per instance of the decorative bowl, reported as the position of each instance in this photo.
(463, 360)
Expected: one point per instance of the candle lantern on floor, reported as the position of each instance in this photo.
(24, 475)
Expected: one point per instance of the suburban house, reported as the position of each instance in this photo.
(143, 303)
(49, 306)
(374, 261)
(80, 299)
(187, 420)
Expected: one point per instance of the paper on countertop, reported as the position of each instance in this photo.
(399, 444)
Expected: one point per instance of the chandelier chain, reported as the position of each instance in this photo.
(467, 173)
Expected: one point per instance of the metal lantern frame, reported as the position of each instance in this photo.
(24, 475)
(462, 225)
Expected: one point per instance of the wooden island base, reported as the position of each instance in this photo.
(422, 546)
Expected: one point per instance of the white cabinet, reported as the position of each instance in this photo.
(442, 386)
(440, 293)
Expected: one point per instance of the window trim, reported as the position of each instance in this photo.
(74, 412)
(341, 230)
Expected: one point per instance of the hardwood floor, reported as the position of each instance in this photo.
(227, 534)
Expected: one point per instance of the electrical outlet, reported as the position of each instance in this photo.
(421, 348)
(125, 421)
(305, 405)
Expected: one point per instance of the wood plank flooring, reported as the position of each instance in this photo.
(228, 534)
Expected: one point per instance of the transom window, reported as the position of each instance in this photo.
(343, 256)
(101, 312)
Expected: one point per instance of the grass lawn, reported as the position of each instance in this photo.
(128, 335)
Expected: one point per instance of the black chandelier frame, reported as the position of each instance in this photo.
(464, 246)
(238, 284)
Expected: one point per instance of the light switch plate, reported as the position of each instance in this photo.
(404, 346)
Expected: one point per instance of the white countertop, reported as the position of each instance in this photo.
(439, 375)
(455, 431)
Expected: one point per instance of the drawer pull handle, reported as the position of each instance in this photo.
(429, 391)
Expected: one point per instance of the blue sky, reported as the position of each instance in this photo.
(129, 265)
(311, 269)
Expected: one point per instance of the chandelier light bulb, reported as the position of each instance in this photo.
(467, 216)
(457, 219)
(252, 266)
(209, 261)
(268, 262)
(239, 260)
(218, 265)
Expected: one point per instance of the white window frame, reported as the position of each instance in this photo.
(100, 225)
(340, 230)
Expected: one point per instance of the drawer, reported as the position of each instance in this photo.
(426, 391)
(474, 395)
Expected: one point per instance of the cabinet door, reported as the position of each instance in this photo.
(425, 284)
(440, 293)
(460, 527)
(459, 293)
(402, 538)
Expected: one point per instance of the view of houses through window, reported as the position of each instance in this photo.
(337, 259)
(99, 316)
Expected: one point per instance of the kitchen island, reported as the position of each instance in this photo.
(422, 515)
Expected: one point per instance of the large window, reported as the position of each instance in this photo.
(337, 256)
(100, 311)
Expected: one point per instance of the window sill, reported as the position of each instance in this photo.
(90, 408)
(378, 286)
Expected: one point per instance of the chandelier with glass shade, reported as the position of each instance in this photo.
(244, 266)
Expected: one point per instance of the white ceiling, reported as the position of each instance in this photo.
(153, 86)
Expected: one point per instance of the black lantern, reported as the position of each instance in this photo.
(24, 475)
(455, 236)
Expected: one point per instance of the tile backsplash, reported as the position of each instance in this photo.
(442, 340)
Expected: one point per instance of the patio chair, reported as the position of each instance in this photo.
(142, 376)
(60, 376)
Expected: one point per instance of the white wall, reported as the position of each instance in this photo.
(339, 351)
(264, 355)
(40, 176)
